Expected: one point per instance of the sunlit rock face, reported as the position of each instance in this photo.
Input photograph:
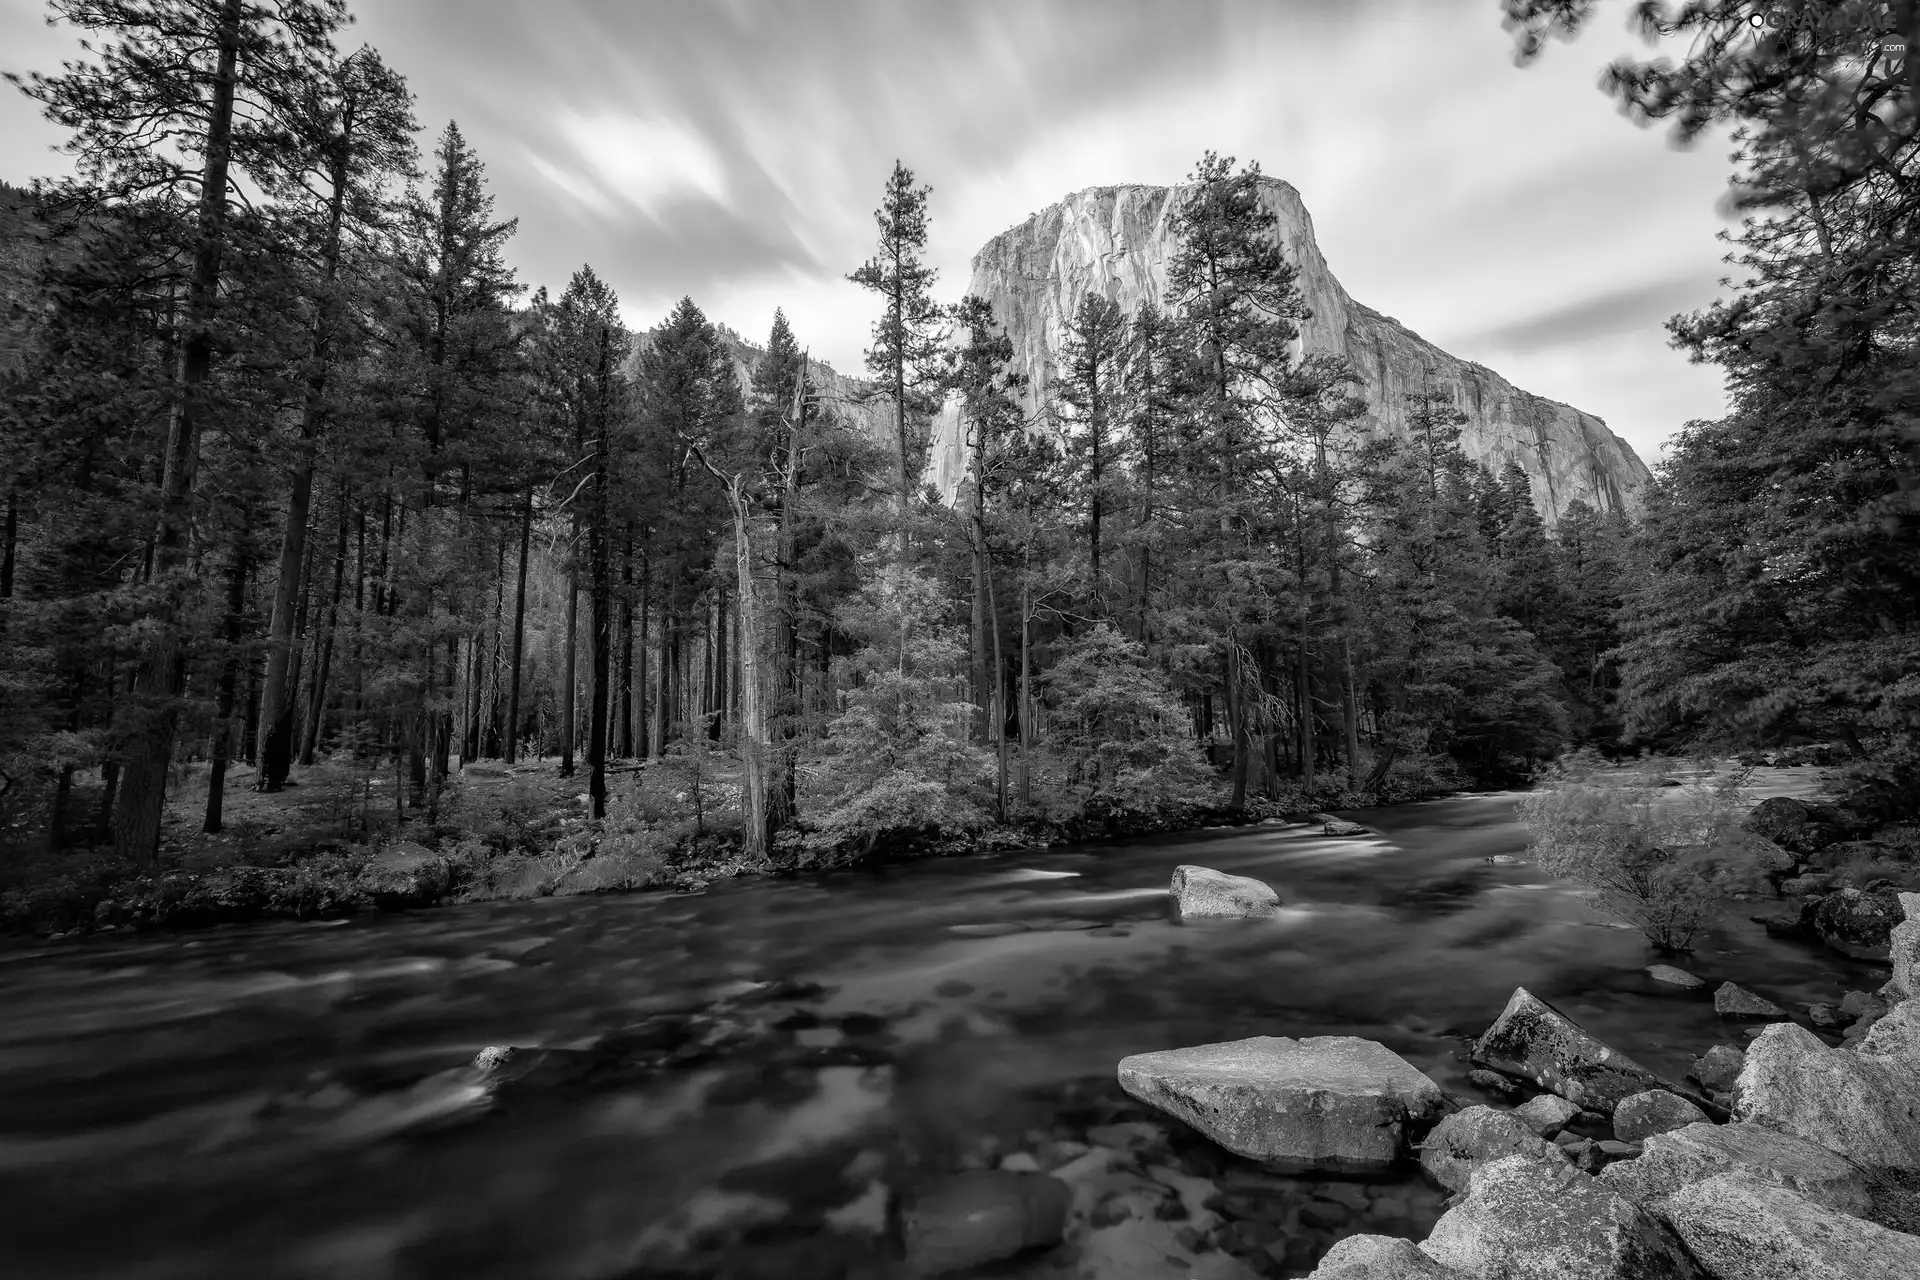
(1118, 240)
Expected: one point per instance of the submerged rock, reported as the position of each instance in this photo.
(1863, 1105)
(1380, 1258)
(1731, 1001)
(1200, 893)
(1524, 1219)
(1493, 1082)
(966, 1219)
(1719, 1067)
(1673, 977)
(1655, 1111)
(1534, 1040)
(1739, 1228)
(1547, 1114)
(1477, 1136)
(1327, 1103)
(1682, 1157)
(1333, 826)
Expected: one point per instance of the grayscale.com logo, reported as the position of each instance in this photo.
(1873, 25)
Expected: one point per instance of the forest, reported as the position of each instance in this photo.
(304, 487)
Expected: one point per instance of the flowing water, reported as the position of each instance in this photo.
(286, 1100)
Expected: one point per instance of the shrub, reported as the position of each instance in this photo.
(1654, 855)
(901, 753)
(1120, 727)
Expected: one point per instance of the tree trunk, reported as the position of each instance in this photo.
(570, 677)
(977, 526)
(230, 627)
(1236, 722)
(317, 702)
(1306, 713)
(600, 569)
(162, 671)
(625, 718)
(1026, 690)
(642, 728)
(1000, 705)
(1350, 713)
(519, 628)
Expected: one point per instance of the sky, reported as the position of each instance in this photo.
(733, 151)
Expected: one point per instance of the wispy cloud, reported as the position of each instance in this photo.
(734, 150)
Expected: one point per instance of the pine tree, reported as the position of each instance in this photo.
(1089, 387)
(155, 112)
(356, 134)
(906, 339)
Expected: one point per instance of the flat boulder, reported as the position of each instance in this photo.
(1743, 1229)
(1335, 1104)
(1719, 1067)
(1330, 825)
(1525, 1219)
(1861, 1104)
(1201, 893)
(1547, 1114)
(1534, 1040)
(1857, 923)
(1671, 1161)
(1468, 1139)
(1731, 1001)
(1656, 1111)
(1380, 1258)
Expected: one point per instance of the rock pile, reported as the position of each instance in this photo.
(1818, 1175)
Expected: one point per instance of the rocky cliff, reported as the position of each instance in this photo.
(1117, 241)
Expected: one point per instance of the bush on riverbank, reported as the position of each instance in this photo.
(1656, 852)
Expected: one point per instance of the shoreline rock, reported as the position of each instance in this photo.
(1535, 1041)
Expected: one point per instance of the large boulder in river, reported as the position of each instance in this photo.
(1863, 1105)
(1655, 1111)
(1683, 1157)
(1201, 893)
(1468, 1139)
(1335, 1104)
(1743, 1229)
(1534, 1040)
(1858, 923)
(1524, 1219)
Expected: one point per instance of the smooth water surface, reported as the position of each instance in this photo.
(282, 1100)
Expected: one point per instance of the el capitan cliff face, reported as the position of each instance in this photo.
(1117, 241)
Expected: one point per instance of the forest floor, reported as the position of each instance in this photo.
(341, 839)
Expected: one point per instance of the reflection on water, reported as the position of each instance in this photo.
(289, 1100)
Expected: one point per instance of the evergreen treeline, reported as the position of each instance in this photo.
(296, 473)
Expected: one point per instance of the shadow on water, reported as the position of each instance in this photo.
(294, 1101)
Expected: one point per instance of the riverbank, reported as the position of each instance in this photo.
(340, 844)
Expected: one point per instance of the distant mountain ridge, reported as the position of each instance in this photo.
(1117, 240)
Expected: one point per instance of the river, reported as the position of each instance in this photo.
(285, 1100)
